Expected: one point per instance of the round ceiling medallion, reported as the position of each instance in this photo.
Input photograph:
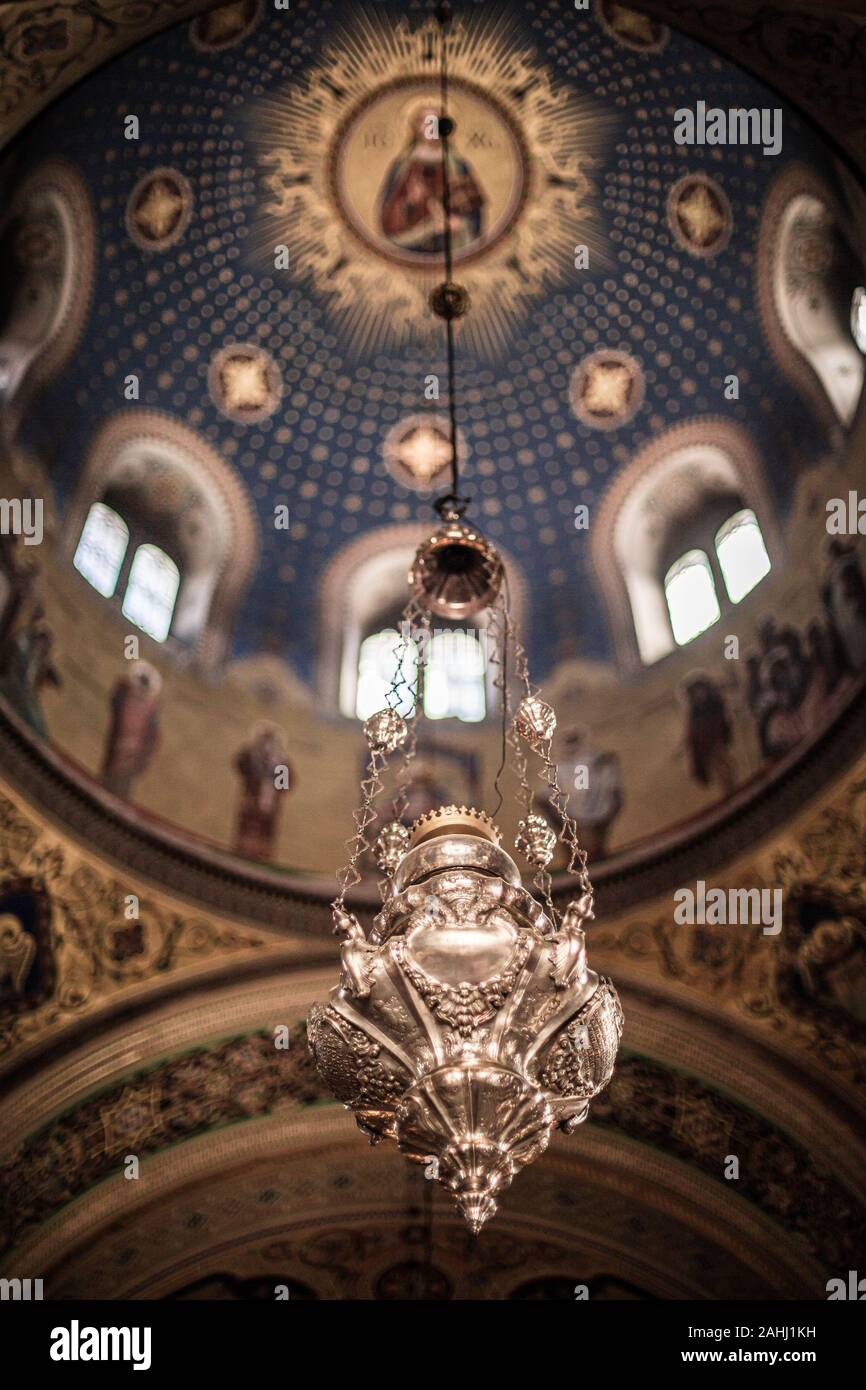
(354, 181)
(607, 389)
(635, 30)
(417, 450)
(221, 28)
(244, 383)
(159, 209)
(386, 170)
(699, 215)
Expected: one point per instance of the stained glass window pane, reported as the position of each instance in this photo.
(101, 548)
(150, 595)
(691, 596)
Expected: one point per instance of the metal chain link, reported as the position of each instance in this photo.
(362, 816)
(414, 619)
(567, 831)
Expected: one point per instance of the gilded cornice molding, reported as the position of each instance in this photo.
(665, 1237)
(244, 1078)
(47, 45)
(812, 54)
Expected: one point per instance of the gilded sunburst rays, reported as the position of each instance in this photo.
(353, 193)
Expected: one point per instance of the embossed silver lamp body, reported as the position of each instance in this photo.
(467, 1026)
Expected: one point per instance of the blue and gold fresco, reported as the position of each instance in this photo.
(182, 277)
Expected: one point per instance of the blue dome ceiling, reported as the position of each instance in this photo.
(214, 109)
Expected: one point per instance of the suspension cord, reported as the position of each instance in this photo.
(443, 15)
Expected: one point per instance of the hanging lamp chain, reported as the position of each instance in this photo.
(359, 844)
(413, 647)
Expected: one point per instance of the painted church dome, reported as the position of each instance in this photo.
(224, 380)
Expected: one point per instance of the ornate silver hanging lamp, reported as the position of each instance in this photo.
(467, 1025)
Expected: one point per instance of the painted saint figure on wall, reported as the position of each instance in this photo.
(792, 678)
(591, 777)
(27, 668)
(265, 774)
(412, 212)
(26, 639)
(709, 734)
(424, 793)
(20, 588)
(133, 732)
(844, 599)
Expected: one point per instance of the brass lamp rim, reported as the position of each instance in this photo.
(456, 572)
(454, 820)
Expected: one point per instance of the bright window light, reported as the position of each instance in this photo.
(743, 557)
(150, 595)
(691, 596)
(454, 686)
(101, 548)
(378, 660)
(858, 317)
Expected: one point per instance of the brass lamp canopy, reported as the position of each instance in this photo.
(456, 572)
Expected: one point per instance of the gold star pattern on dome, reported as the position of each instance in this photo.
(425, 453)
(417, 451)
(159, 209)
(703, 1125)
(244, 383)
(699, 215)
(607, 389)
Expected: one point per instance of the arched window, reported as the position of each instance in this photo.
(150, 582)
(47, 255)
(693, 593)
(379, 657)
(686, 531)
(151, 591)
(361, 597)
(690, 593)
(100, 552)
(743, 557)
(147, 577)
(858, 317)
(808, 273)
(191, 538)
(454, 677)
